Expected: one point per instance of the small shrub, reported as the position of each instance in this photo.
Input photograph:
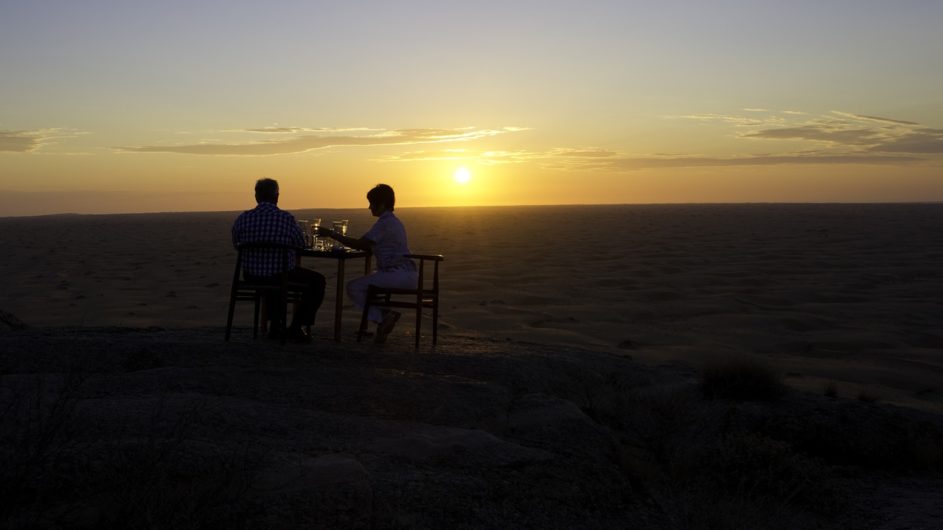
(741, 379)
(867, 397)
(831, 390)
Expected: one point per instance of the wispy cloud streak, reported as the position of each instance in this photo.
(629, 163)
(838, 130)
(840, 142)
(30, 141)
(577, 156)
(308, 142)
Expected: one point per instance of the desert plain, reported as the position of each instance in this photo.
(574, 341)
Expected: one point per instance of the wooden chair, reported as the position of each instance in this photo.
(417, 298)
(245, 290)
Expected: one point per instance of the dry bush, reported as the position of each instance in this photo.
(741, 379)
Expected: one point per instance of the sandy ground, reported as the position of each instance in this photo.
(848, 295)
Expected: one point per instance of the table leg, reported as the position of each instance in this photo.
(339, 302)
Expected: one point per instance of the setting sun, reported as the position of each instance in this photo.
(462, 175)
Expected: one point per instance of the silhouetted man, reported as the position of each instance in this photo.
(266, 223)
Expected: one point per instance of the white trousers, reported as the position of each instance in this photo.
(399, 279)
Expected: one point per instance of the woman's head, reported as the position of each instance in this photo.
(381, 198)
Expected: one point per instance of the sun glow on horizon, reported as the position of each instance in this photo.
(462, 175)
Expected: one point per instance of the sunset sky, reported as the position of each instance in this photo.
(128, 106)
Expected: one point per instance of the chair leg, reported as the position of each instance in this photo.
(363, 322)
(418, 321)
(263, 309)
(282, 323)
(363, 317)
(255, 318)
(232, 309)
(435, 320)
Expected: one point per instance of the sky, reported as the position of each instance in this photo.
(131, 106)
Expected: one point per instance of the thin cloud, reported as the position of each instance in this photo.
(33, 141)
(597, 159)
(279, 130)
(841, 137)
(19, 141)
(838, 137)
(571, 152)
(275, 129)
(765, 160)
(579, 155)
(425, 156)
(923, 141)
(874, 118)
(823, 133)
(744, 121)
(488, 157)
(308, 142)
(863, 132)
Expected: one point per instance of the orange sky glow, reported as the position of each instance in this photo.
(113, 107)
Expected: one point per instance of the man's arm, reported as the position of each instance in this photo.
(235, 232)
(296, 235)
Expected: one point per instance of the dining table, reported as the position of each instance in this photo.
(341, 256)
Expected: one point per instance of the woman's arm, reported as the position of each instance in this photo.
(355, 243)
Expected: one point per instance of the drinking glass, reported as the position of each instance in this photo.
(315, 224)
(305, 231)
(339, 226)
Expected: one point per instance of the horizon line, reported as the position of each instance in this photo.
(519, 205)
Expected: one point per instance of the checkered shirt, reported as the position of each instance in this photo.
(266, 223)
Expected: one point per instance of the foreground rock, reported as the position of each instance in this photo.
(11, 321)
(157, 428)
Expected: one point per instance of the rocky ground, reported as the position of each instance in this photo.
(155, 428)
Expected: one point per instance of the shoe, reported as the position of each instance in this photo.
(275, 330)
(297, 335)
(384, 328)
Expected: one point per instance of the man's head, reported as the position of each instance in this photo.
(266, 190)
(381, 199)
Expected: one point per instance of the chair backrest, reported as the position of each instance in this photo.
(263, 246)
(423, 258)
